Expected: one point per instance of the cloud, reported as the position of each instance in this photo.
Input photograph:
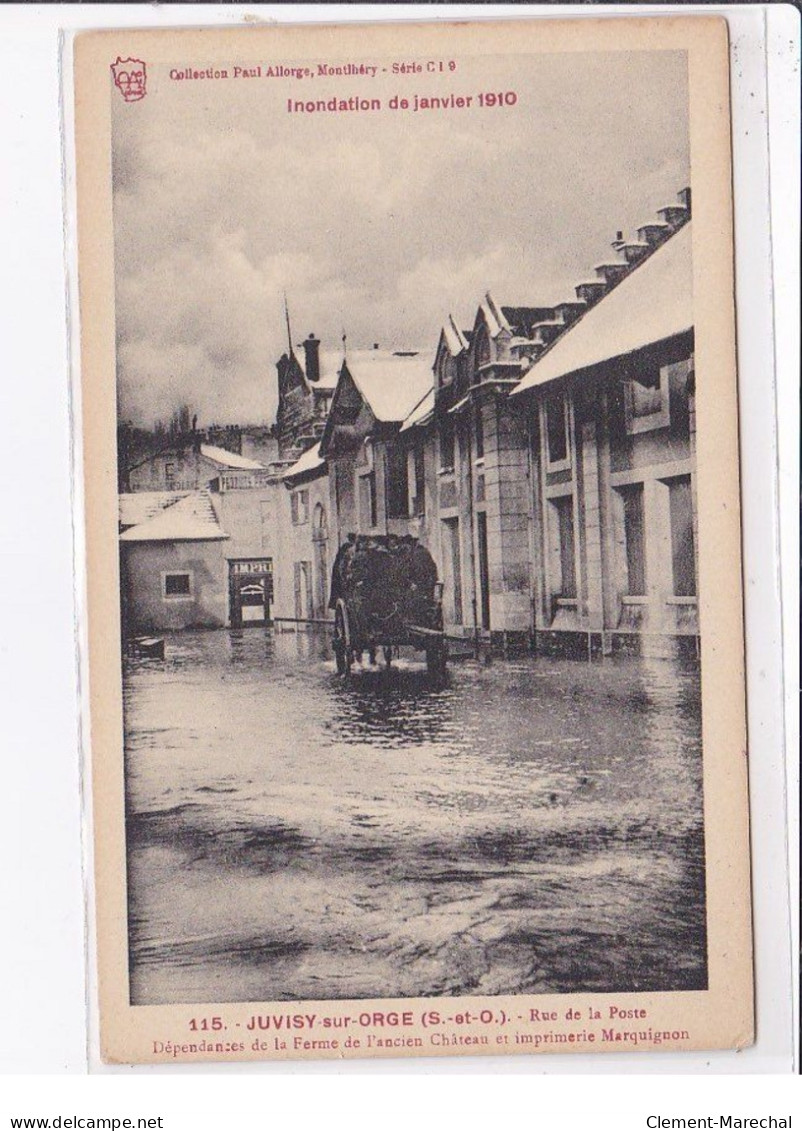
(376, 227)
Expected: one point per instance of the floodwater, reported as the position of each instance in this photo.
(532, 826)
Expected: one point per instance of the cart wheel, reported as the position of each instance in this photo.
(342, 643)
(436, 660)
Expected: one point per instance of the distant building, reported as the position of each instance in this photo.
(370, 486)
(172, 564)
(237, 573)
(259, 443)
(305, 390)
(186, 463)
(304, 554)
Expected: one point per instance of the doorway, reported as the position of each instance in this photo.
(250, 591)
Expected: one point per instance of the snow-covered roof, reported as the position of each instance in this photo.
(138, 506)
(495, 319)
(421, 413)
(191, 519)
(392, 383)
(311, 460)
(224, 458)
(454, 337)
(652, 303)
(331, 362)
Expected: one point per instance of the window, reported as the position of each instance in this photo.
(634, 542)
(299, 505)
(682, 543)
(419, 471)
(176, 585)
(557, 433)
(482, 352)
(479, 432)
(447, 444)
(169, 475)
(564, 511)
(646, 405)
(367, 501)
(397, 482)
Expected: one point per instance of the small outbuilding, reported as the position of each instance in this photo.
(173, 569)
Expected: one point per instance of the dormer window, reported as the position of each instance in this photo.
(646, 403)
(448, 369)
(483, 356)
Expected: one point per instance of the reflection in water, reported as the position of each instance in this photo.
(530, 826)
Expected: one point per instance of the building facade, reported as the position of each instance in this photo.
(545, 456)
(172, 564)
(611, 418)
(548, 465)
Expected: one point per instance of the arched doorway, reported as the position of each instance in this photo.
(320, 544)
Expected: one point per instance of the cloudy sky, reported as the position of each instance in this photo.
(376, 224)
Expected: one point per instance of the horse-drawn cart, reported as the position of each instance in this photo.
(385, 593)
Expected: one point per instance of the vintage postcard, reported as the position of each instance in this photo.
(415, 642)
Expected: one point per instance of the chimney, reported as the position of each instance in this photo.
(684, 197)
(312, 351)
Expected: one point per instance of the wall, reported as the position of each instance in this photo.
(145, 607)
(260, 444)
(249, 517)
(624, 475)
(305, 551)
(190, 471)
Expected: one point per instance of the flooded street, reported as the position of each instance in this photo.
(534, 825)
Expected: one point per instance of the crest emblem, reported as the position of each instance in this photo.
(130, 78)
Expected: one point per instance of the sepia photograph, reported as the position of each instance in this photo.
(411, 629)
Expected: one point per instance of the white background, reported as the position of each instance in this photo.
(42, 925)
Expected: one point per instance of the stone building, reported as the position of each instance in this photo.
(172, 563)
(611, 421)
(305, 390)
(186, 463)
(508, 496)
(238, 571)
(370, 486)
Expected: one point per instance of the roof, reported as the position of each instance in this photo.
(331, 362)
(421, 413)
(454, 337)
(652, 303)
(191, 519)
(391, 384)
(229, 459)
(138, 506)
(521, 319)
(494, 317)
(310, 461)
